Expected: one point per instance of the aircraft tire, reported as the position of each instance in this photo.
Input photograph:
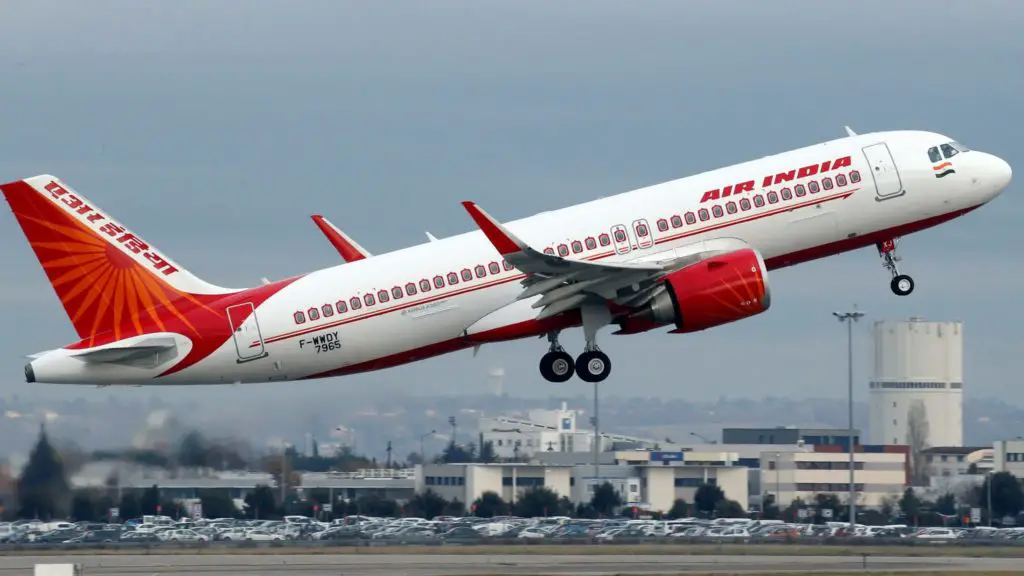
(593, 366)
(902, 285)
(556, 367)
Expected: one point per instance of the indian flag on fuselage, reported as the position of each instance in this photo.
(943, 169)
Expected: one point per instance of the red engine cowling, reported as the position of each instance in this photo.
(715, 291)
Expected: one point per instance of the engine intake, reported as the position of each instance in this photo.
(715, 291)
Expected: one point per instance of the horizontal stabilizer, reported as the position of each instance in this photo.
(122, 354)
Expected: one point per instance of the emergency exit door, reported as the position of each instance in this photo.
(888, 183)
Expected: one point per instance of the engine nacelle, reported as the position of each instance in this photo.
(715, 291)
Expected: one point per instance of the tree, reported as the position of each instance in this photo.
(413, 459)
(83, 508)
(192, 452)
(260, 504)
(887, 508)
(917, 441)
(605, 500)
(1007, 496)
(426, 505)
(769, 508)
(487, 452)
(217, 504)
(129, 506)
(946, 504)
(829, 501)
(489, 505)
(792, 512)
(456, 454)
(679, 509)
(910, 504)
(535, 502)
(707, 497)
(150, 500)
(726, 508)
(43, 490)
(454, 508)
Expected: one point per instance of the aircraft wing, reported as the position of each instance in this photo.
(566, 284)
(349, 249)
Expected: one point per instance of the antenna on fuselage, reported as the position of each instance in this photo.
(849, 131)
(431, 237)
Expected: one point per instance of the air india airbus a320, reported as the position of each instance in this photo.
(689, 254)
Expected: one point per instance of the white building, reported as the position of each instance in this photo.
(1008, 456)
(792, 475)
(918, 377)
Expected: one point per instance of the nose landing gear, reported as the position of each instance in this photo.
(901, 284)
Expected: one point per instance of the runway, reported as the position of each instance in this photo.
(493, 565)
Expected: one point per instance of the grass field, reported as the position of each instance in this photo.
(591, 550)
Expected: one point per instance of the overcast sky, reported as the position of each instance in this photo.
(214, 129)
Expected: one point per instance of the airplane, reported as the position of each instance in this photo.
(687, 255)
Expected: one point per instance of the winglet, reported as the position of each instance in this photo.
(504, 241)
(431, 237)
(349, 249)
(849, 131)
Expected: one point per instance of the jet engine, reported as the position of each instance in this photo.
(715, 291)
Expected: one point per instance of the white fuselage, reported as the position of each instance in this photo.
(291, 343)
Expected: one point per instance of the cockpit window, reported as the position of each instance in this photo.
(948, 151)
(933, 154)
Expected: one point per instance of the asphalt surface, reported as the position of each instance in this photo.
(463, 565)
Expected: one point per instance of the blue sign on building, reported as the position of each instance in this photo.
(667, 456)
(566, 423)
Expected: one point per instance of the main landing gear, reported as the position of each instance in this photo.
(901, 284)
(592, 365)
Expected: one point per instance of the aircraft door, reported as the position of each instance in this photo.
(888, 183)
(620, 239)
(245, 330)
(644, 238)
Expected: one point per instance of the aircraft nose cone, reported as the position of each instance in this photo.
(1001, 173)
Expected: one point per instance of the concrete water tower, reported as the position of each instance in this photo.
(918, 375)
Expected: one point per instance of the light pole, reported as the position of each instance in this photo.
(988, 479)
(422, 457)
(850, 318)
(778, 501)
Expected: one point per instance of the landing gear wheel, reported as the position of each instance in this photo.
(593, 366)
(902, 285)
(556, 366)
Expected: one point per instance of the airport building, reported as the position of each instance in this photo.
(790, 435)
(880, 472)
(916, 390)
(1008, 456)
(949, 461)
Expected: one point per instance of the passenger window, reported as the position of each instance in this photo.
(826, 182)
(759, 201)
(424, 285)
(787, 194)
(438, 282)
(716, 211)
(507, 265)
(744, 204)
(948, 151)
(327, 310)
(396, 292)
(341, 306)
(677, 222)
(604, 239)
(300, 318)
(703, 214)
(840, 179)
(855, 176)
(591, 243)
(663, 225)
(549, 251)
(480, 271)
(773, 197)
(641, 230)
(494, 268)
(369, 300)
(577, 247)
(453, 278)
(730, 207)
(410, 289)
(800, 190)
(813, 186)
(690, 218)
(466, 275)
(354, 303)
(313, 314)
(620, 236)
(382, 296)
(933, 154)
(563, 250)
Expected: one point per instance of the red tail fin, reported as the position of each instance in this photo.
(108, 279)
